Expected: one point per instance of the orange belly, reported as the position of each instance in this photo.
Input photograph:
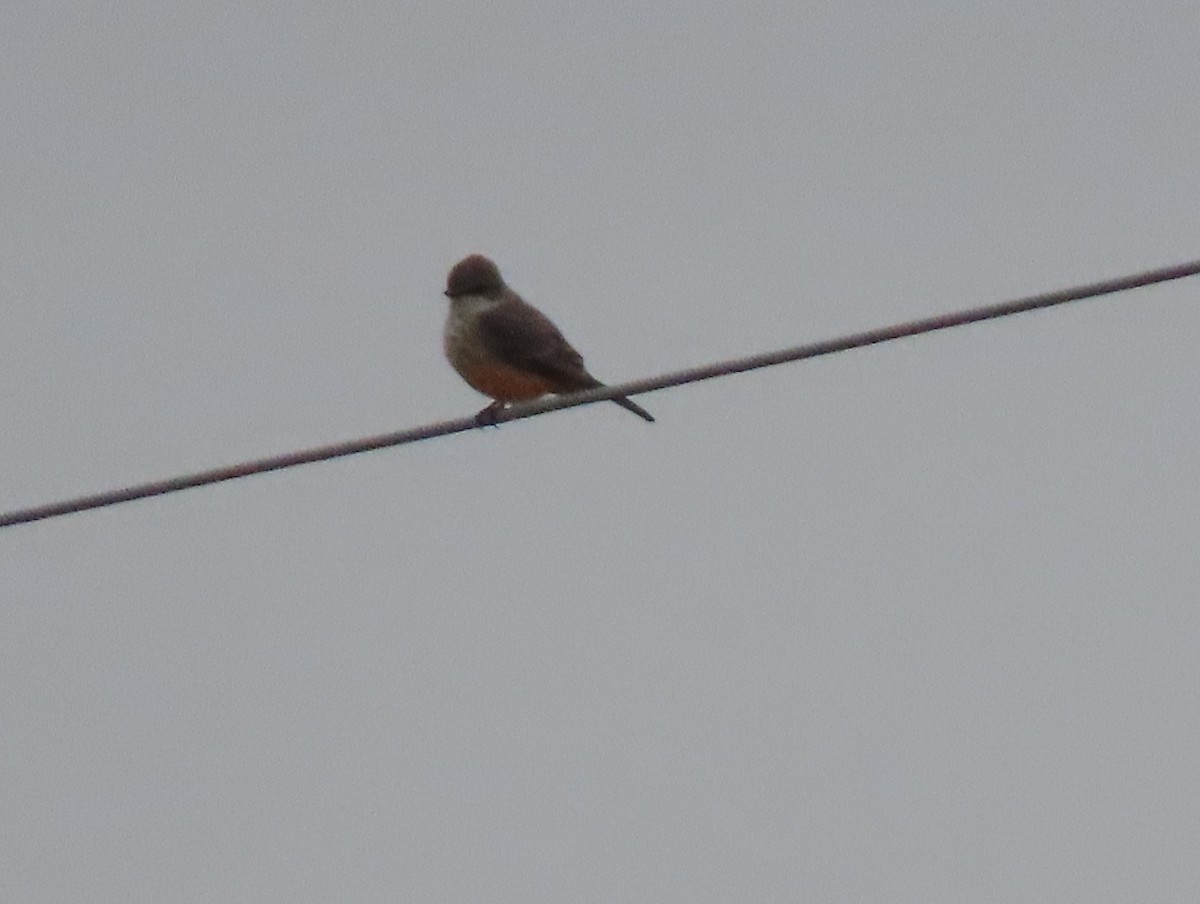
(506, 384)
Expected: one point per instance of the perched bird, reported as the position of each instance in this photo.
(506, 348)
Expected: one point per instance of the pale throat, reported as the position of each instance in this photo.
(466, 308)
(458, 336)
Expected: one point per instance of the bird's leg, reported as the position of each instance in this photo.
(487, 417)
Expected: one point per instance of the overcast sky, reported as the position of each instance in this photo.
(914, 623)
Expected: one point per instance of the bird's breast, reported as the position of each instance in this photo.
(460, 335)
(470, 356)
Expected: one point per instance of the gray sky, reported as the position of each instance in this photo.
(915, 623)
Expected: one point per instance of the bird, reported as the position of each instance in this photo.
(506, 348)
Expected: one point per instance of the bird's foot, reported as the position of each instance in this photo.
(488, 416)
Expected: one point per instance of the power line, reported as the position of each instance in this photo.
(635, 387)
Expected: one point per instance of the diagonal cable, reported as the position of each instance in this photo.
(634, 387)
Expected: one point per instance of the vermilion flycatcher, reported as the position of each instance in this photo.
(506, 348)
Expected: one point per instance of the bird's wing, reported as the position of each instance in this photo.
(521, 335)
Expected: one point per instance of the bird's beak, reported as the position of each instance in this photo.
(447, 294)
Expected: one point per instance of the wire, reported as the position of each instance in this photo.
(635, 387)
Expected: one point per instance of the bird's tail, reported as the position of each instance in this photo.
(635, 408)
(590, 382)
